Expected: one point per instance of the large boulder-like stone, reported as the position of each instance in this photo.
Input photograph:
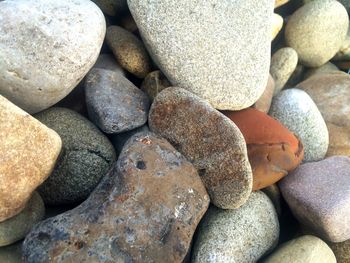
(212, 48)
(146, 209)
(46, 48)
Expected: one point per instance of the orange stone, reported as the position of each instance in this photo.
(273, 150)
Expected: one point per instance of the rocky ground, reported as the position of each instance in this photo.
(174, 131)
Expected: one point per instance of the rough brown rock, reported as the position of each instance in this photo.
(146, 209)
(28, 154)
(211, 141)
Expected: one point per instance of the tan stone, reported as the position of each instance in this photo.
(341, 251)
(277, 24)
(331, 94)
(28, 154)
(264, 102)
(278, 3)
(324, 69)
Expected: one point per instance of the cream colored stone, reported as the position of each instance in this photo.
(278, 3)
(277, 24)
(28, 152)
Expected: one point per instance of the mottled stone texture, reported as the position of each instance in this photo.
(46, 48)
(114, 104)
(28, 154)
(219, 50)
(211, 141)
(145, 210)
(318, 194)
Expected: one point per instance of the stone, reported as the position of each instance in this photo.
(108, 61)
(273, 150)
(28, 154)
(112, 7)
(46, 49)
(324, 69)
(318, 193)
(154, 83)
(328, 21)
(305, 249)
(238, 235)
(86, 157)
(11, 254)
(283, 64)
(208, 139)
(113, 102)
(331, 95)
(129, 51)
(229, 68)
(344, 51)
(118, 140)
(296, 110)
(274, 193)
(145, 209)
(296, 77)
(264, 102)
(128, 23)
(277, 24)
(341, 251)
(279, 3)
(17, 227)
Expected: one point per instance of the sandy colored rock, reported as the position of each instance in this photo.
(129, 51)
(46, 49)
(211, 48)
(331, 93)
(264, 102)
(207, 138)
(145, 209)
(154, 83)
(341, 251)
(324, 69)
(17, 227)
(317, 30)
(28, 155)
(237, 235)
(344, 51)
(295, 109)
(278, 3)
(305, 249)
(277, 24)
(283, 64)
(318, 194)
(273, 150)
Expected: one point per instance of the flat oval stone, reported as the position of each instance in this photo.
(28, 154)
(114, 103)
(237, 235)
(17, 227)
(331, 93)
(317, 30)
(207, 138)
(86, 157)
(212, 48)
(304, 249)
(296, 110)
(145, 209)
(318, 194)
(46, 49)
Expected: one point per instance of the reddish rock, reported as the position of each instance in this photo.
(273, 150)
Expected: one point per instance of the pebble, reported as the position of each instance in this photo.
(145, 210)
(331, 95)
(86, 157)
(239, 235)
(129, 51)
(114, 103)
(324, 69)
(112, 7)
(154, 83)
(279, 3)
(318, 193)
(344, 51)
(212, 142)
(341, 251)
(264, 102)
(296, 110)
(277, 24)
(283, 63)
(17, 227)
(46, 49)
(229, 68)
(273, 150)
(108, 61)
(274, 193)
(304, 249)
(28, 154)
(11, 254)
(328, 21)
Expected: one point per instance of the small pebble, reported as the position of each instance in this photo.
(264, 102)
(154, 83)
